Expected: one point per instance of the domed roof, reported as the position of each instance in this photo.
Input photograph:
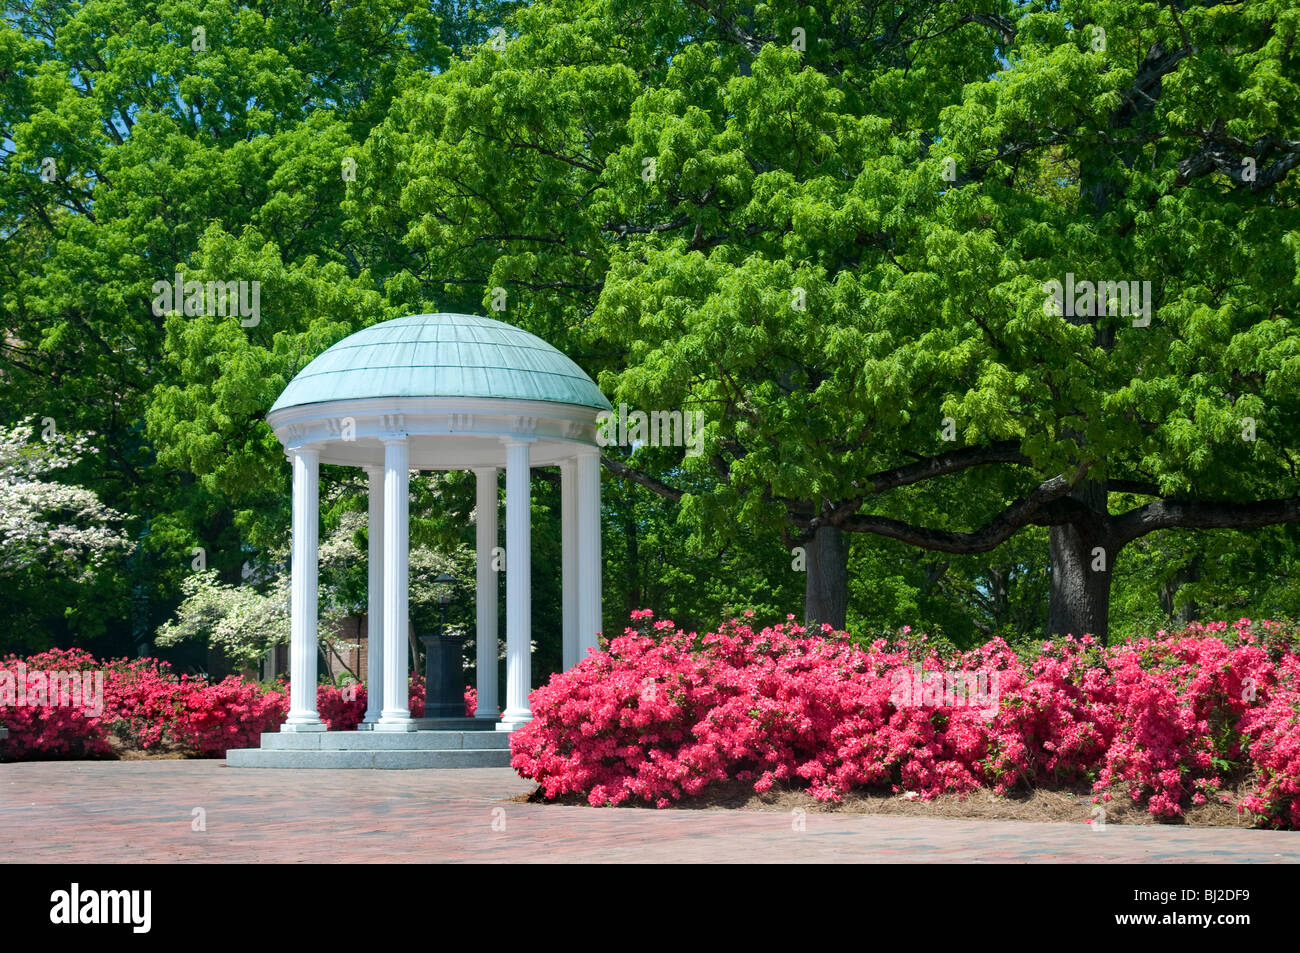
(442, 355)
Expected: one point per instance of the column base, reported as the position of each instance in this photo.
(293, 727)
(493, 714)
(395, 724)
(514, 719)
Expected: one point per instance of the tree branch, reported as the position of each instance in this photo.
(1227, 155)
(1004, 451)
(1138, 487)
(1004, 26)
(645, 480)
(1032, 509)
(622, 231)
(927, 468)
(1202, 514)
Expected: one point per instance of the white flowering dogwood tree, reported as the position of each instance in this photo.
(51, 531)
(244, 621)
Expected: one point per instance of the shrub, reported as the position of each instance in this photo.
(342, 709)
(232, 713)
(1178, 703)
(48, 730)
(147, 707)
(1171, 721)
(142, 702)
(1272, 732)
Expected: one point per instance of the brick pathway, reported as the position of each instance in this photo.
(143, 811)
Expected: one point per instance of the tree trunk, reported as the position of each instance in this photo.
(999, 594)
(634, 599)
(1083, 558)
(826, 596)
(1184, 614)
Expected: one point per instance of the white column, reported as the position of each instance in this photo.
(303, 601)
(375, 599)
(396, 714)
(519, 602)
(485, 540)
(589, 575)
(569, 562)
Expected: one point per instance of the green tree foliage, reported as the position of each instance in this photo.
(139, 140)
(830, 228)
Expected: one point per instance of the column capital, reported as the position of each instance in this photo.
(301, 450)
(518, 441)
(393, 436)
(586, 450)
(373, 469)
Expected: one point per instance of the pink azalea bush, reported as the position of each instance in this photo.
(231, 713)
(342, 709)
(147, 707)
(142, 702)
(49, 730)
(1169, 721)
(1272, 734)
(144, 705)
(1179, 702)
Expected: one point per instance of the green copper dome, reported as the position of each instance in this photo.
(442, 355)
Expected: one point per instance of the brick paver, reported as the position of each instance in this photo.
(143, 811)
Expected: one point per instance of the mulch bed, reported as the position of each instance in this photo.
(166, 752)
(1056, 805)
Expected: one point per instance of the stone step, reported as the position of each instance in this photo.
(384, 740)
(384, 759)
(446, 724)
(455, 724)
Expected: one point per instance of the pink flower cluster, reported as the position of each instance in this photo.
(212, 718)
(144, 705)
(1272, 740)
(342, 709)
(1179, 703)
(664, 713)
(148, 707)
(52, 730)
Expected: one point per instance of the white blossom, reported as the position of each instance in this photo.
(60, 527)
